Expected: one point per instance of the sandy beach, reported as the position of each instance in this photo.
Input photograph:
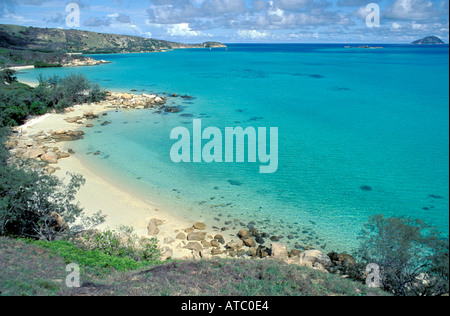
(121, 207)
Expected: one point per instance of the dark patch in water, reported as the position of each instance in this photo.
(234, 182)
(340, 89)
(256, 118)
(436, 197)
(187, 115)
(240, 111)
(366, 188)
(317, 76)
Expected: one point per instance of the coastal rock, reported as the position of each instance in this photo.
(263, 252)
(279, 251)
(215, 243)
(73, 119)
(342, 259)
(49, 170)
(197, 236)
(309, 258)
(200, 226)
(243, 233)
(235, 245)
(166, 253)
(34, 153)
(169, 240)
(50, 158)
(181, 236)
(57, 222)
(216, 251)
(220, 239)
(249, 241)
(194, 246)
(152, 228)
(294, 253)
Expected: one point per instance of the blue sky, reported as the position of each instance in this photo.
(290, 21)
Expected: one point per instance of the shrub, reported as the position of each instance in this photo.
(413, 257)
(41, 64)
(7, 76)
(123, 243)
(40, 206)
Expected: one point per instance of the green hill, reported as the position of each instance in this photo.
(75, 41)
(20, 45)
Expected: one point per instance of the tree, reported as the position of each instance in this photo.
(35, 205)
(412, 256)
(7, 76)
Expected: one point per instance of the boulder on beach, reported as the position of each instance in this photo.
(152, 228)
(194, 246)
(279, 251)
(50, 157)
(197, 236)
(200, 226)
(315, 258)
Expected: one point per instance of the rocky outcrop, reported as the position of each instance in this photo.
(429, 40)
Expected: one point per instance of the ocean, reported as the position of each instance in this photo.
(361, 132)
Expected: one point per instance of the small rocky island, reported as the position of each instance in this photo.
(429, 40)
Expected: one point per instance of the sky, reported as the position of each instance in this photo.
(243, 21)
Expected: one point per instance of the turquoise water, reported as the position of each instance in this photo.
(347, 118)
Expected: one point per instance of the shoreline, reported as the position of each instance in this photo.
(102, 193)
(180, 236)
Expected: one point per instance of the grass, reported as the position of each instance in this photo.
(38, 268)
(28, 270)
(91, 262)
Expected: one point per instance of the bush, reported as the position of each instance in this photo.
(123, 243)
(41, 64)
(18, 101)
(91, 261)
(413, 257)
(40, 206)
(7, 76)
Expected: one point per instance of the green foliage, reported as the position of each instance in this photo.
(413, 256)
(123, 243)
(18, 101)
(41, 64)
(7, 76)
(91, 261)
(36, 205)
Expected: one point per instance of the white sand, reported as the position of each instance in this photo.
(121, 207)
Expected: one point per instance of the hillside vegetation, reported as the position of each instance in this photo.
(75, 41)
(43, 273)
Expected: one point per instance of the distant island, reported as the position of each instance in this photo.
(20, 45)
(429, 40)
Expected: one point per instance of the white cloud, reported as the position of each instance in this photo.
(182, 30)
(252, 34)
(412, 10)
(395, 26)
